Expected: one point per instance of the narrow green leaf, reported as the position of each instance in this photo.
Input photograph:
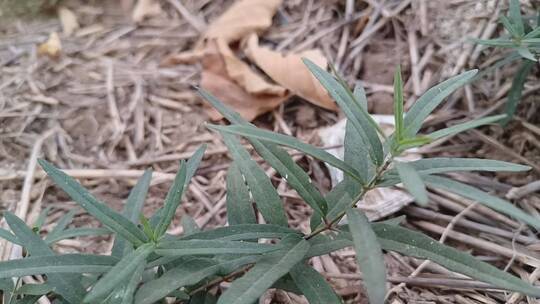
(514, 14)
(7, 285)
(313, 285)
(352, 108)
(511, 28)
(120, 272)
(465, 126)
(296, 177)
(288, 141)
(239, 207)
(189, 225)
(243, 232)
(62, 223)
(342, 198)
(264, 194)
(499, 42)
(344, 202)
(174, 196)
(8, 236)
(412, 182)
(54, 264)
(137, 196)
(34, 289)
(480, 196)
(444, 164)
(124, 294)
(535, 33)
(41, 218)
(104, 214)
(146, 227)
(417, 245)
(77, 232)
(368, 255)
(510, 58)
(395, 221)
(526, 53)
(29, 300)
(156, 217)
(228, 113)
(532, 41)
(193, 163)
(323, 244)
(398, 105)
(514, 95)
(189, 272)
(268, 270)
(211, 247)
(232, 262)
(360, 95)
(287, 284)
(66, 285)
(409, 143)
(356, 155)
(180, 295)
(360, 102)
(172, 201)
(431, 99)
(277, 157)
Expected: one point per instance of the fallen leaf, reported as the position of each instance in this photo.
(246, 77)
(216, 79)
(52, 47)
(241, 19)
(234, 81)
(68, 19)
(144, 9)
(290, 72)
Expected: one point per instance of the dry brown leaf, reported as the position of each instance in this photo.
(216, 79)
(242, 74)
(290, 72)
(68, 19)
(244, 17)
(52, 47)
(145, 8)
(224, 74)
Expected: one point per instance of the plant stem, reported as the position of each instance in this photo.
(358, 197)
(221, 279)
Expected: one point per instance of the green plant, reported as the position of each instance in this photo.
(524, 38)
(147, 265)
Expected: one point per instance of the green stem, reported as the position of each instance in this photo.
(358, 197)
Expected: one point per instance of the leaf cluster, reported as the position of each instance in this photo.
(148, 265)
(523, 38)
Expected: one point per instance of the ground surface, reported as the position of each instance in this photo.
(107, 109)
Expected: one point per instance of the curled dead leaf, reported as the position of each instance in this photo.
(234, 81)
(242, 74)
(52, 47)
(68, 19)
(241, 19)
(216, 79)
(290, 72)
